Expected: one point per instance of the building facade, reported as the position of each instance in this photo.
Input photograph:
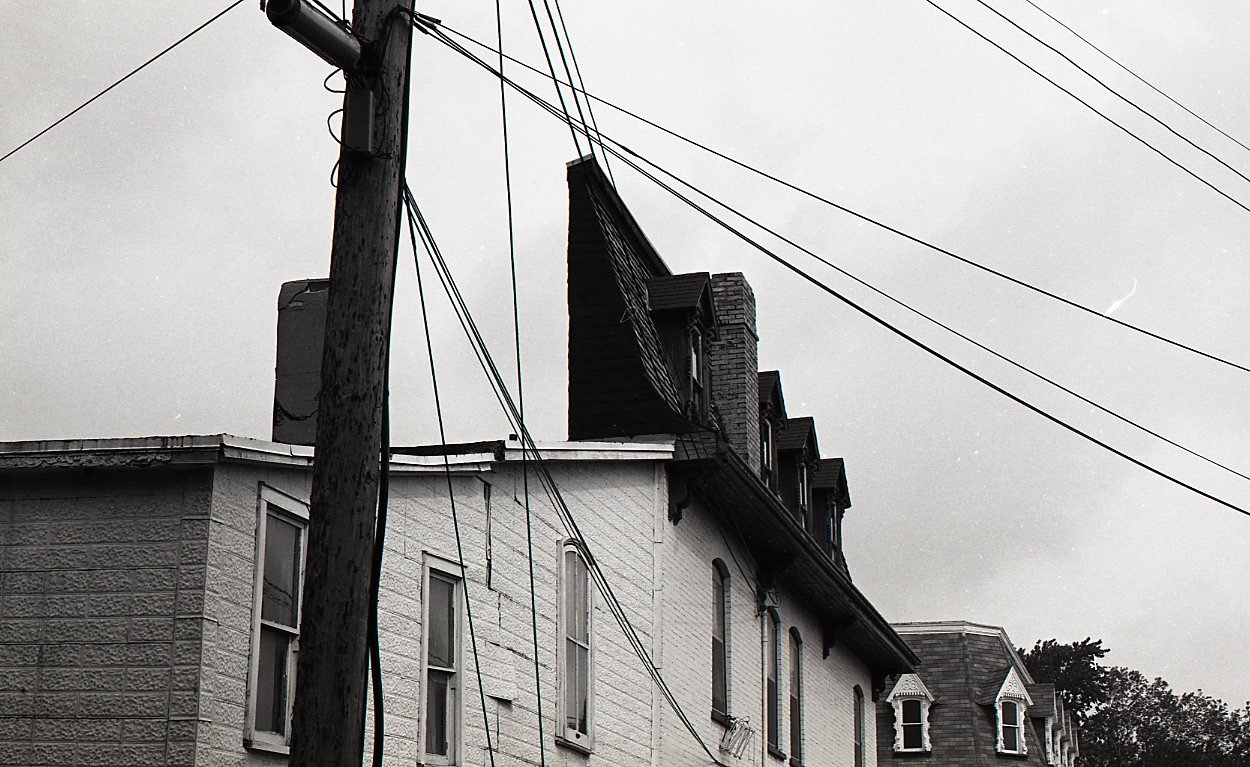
(971, 703)
(671, 590)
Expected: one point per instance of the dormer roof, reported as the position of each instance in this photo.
(799, 432)
(770, 393)
(909, 686)
(689, 292)
(831, 477)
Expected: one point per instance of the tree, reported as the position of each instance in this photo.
(1074, 670)
(1126, 720)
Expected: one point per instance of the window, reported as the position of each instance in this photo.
(805, 499)
(911, 701)
(697, 374)
(280, 543)
(766, 451)
(576, 703)
(441, 660)
(1012, 702)
(796, 697)
(1011, 738)
(859, 727)
(773, 694)
(720, 641)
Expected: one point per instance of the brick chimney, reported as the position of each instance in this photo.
(297, 373)
(733, 360)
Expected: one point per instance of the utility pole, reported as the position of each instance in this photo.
(327, 728)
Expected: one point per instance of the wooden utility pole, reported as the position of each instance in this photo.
(328, 723)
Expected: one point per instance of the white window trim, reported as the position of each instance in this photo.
(794, 668)
(294, 511)
(910, 687)
(1013, 691)
(577, 740)
(452, 571)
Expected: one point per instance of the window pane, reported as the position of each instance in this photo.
(583, 690)
(718, 605)
(280, 594)
(1010, 738)
(436, 707)
(912, 736)
(911, 712)
(441, 646)
(773, 726)
(271, 681)
(1009, 713)
(719, 686)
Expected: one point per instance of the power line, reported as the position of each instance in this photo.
(123, 79)
(1093, 109)
(853, 305)
(520, 387)
(1139, 78)
(1112, 91)
(562, 509)
(451, 491)
(875, 222)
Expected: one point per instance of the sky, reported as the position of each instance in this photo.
(146, 238)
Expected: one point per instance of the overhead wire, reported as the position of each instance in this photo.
(451, 490)
(1092, 108)
(581, 83)
(568, 520)
(520, 385)
(120, 80)
(623, 157)
(542, 38)
(1113, 91)
(878, 223)
(1138, 77)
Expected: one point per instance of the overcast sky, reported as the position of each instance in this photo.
(145, 240)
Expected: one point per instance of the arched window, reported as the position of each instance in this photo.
(773, 693)
(720, 641)
(577, 661)
(911, 701)
(796, 696)
(859, 726)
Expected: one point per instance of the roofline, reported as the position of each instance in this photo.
(967, 627)
(205, 449)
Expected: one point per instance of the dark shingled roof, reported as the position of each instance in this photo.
(831, 475)
(770, 381)
(797, 432)
(678, 291)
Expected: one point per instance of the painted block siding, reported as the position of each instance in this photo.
(828, 695)
(126, 610)
(101, 615)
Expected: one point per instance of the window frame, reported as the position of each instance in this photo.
(772, 683)
(720, 578)
(796, 696)
(1017, 727)
(910, 689)
(767, 459)
(434, 566)
(576, 739)
(293, 511)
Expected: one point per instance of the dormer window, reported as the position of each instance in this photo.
(698, 373)
(766, 451)
(1011, 740)
(805, 486)
(911, 701)
(1012, 704)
